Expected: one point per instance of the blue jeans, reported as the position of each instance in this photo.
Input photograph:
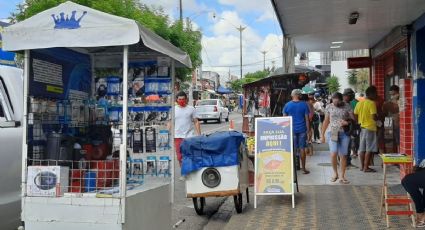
(300, 140)
(340, 146)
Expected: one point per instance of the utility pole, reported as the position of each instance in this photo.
(264, 59)
(241, 29)
(181, 11)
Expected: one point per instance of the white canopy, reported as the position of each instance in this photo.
(72, 25)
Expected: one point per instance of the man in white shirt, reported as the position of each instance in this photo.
(185, 123)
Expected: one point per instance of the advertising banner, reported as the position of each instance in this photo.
(274, 174)
(60, 73)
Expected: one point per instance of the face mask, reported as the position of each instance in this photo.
(181, 102)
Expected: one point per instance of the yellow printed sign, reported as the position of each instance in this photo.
(273, 176)
(54, 89)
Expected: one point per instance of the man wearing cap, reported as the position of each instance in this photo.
(299, 111)
(349, 98)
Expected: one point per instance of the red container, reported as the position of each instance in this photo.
(104, 173)
(77, 180)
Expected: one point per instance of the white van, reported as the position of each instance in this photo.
(11, 118)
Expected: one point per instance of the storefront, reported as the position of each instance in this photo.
(97, 151)
(399, 59)
(390, 58)
(417, 44)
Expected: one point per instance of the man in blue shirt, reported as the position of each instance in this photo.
(299, 112)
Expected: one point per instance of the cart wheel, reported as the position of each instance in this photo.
(247, 195)
(199, 206)
(238, 202)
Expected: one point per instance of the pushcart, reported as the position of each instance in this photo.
(224, 172)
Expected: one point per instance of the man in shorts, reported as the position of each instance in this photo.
(299, 111)
(185, 123)
(366, 115)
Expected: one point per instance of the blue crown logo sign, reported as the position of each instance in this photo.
(67, 23)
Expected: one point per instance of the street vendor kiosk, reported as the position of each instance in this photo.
(98, 95)
(266, 98)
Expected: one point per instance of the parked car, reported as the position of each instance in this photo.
(211, 109)
(11, 110)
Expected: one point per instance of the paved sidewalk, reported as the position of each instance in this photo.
(321, 204)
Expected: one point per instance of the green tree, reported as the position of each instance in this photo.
(352, 77)
(180, 34)
(248, 78)
(362, 80)
(333, 84)
(260, 74)
(236, 86)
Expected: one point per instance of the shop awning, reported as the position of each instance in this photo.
(224, 90)
(72, 25)
(314, 25)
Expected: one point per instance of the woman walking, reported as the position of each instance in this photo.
(338, 116)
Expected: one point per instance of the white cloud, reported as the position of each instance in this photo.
(221, 48)
(221, 51)
(172, 7)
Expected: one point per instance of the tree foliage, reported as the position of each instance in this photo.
(362, 80)
(180, 34)
(248, 78)
(333, 84)
(358, 79)
(352, 77)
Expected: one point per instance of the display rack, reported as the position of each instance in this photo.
(98, 127)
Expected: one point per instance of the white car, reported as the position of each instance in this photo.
(11, 109)
(211, 109)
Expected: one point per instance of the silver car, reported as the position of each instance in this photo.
(211, 109)
(11, 110)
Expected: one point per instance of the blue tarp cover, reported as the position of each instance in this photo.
(216, 150)
(224, 90)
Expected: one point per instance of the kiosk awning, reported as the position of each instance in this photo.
(73, 25)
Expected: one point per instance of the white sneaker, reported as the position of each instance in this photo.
(182, 178)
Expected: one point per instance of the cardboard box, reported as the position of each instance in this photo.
(48, 181)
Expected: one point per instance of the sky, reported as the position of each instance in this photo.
(217, 20)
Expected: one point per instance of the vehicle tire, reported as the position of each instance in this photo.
(238, 202)
(247, 195)
(219, 119)
(199, 206)
(227, 118)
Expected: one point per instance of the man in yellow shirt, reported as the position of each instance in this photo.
(366, 114)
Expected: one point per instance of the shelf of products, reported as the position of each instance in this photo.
(74, 142)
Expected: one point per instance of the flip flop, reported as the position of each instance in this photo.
(344, 181)
(369, 170)
(306, 171)
(333, 179)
